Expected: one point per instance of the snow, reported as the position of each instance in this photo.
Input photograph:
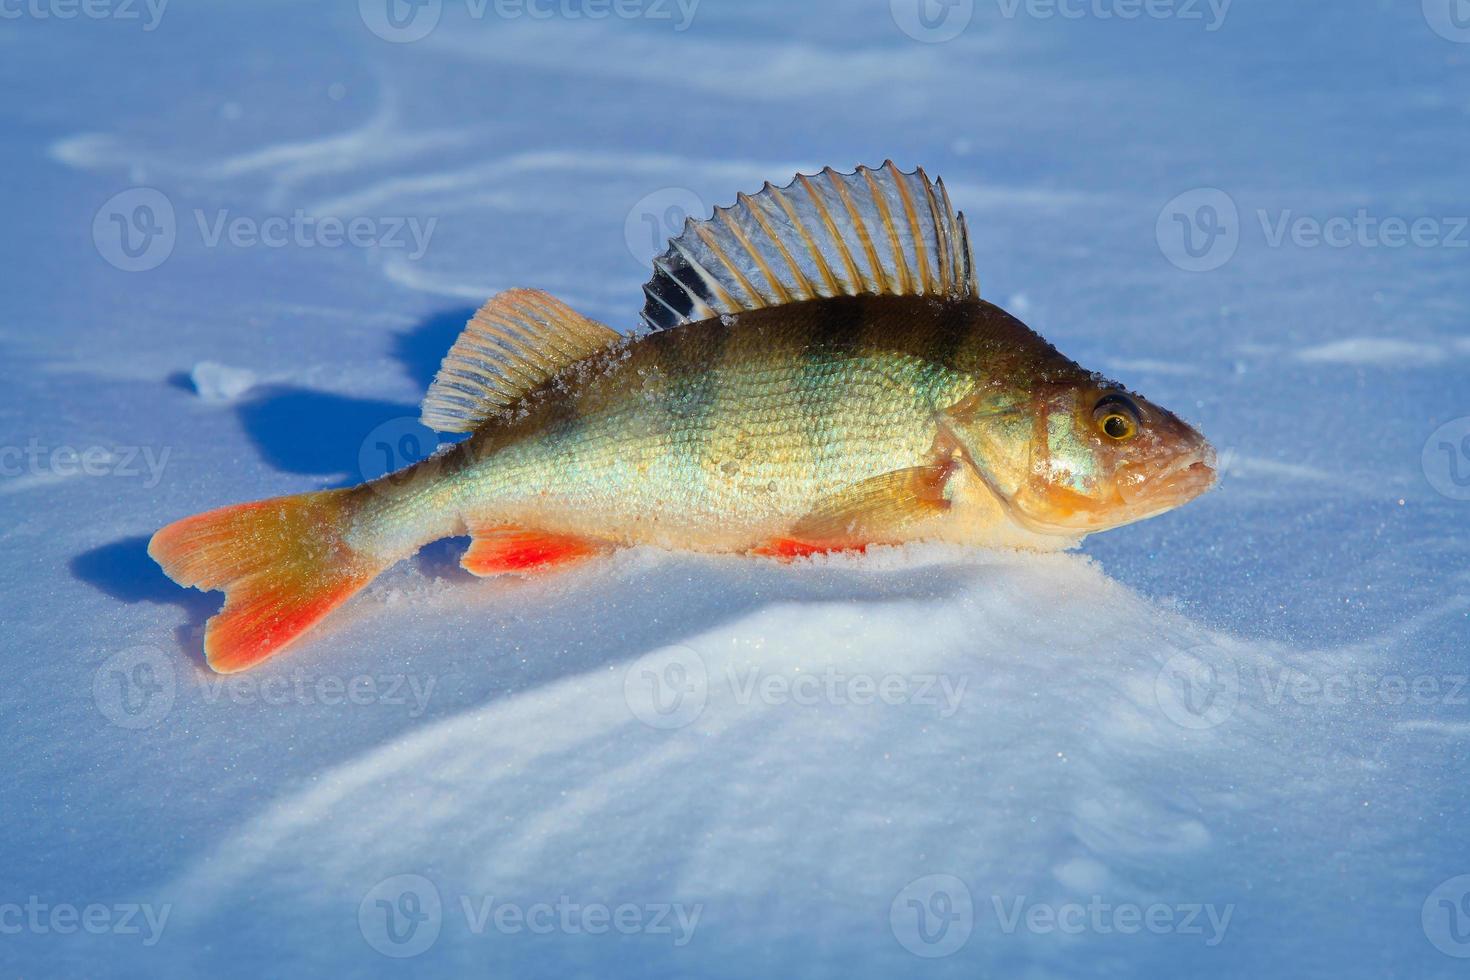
(220, 382)
(1229, 741)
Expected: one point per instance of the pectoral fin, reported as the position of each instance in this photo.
(874, 511)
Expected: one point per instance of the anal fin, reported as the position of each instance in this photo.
(498, 549)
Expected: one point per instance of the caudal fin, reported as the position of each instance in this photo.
(282, 564)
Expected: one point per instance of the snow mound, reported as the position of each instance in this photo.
(774, 756)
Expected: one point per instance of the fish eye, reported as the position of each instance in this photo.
(1116, 417)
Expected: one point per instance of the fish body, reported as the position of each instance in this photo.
(723, 434)
(808, 385)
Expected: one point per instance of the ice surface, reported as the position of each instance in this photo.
(1252, 708)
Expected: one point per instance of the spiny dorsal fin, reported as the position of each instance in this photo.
(871, 232)
(517, 341)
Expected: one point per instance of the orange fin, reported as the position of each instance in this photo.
(497, 549)
(789, 549)
(872, 511)
(281, 563)
(877, 509)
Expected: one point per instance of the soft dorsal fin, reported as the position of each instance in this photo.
(517, 341)
(871, 232)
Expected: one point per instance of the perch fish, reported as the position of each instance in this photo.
(815, 372)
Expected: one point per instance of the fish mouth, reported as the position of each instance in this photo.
(1140, 492)
(1156, 488)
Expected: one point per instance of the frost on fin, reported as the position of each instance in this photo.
(871, 232)
(517, 341)
(789, 549)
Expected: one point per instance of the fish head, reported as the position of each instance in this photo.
(1075, 457)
